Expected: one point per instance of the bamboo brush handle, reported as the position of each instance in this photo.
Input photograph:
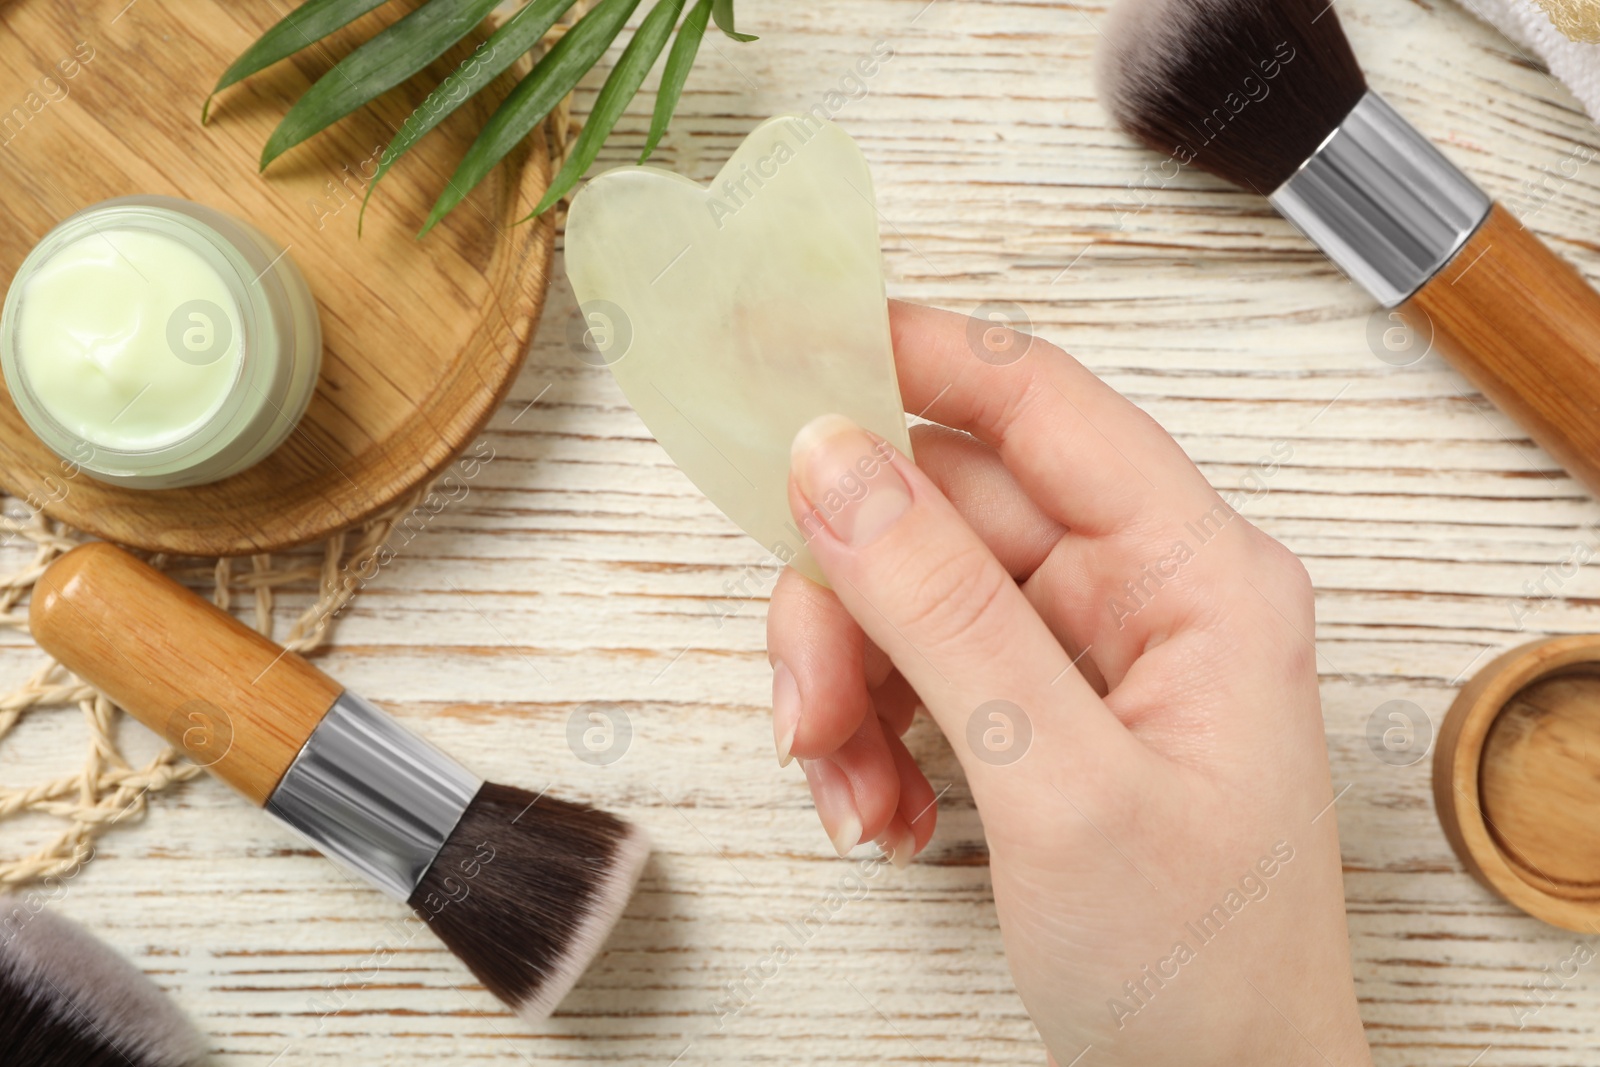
(1524, 327)
(228, 697)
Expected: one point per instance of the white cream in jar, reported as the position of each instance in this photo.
(156, 343)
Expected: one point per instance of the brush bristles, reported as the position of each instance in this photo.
(1246, 89)
(68, 1000)
(526, 891)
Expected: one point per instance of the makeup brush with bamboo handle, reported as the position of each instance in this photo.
(1268, 95)
(523, 889)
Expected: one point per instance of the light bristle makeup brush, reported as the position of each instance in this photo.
(67, 999)
(523, 889)
(1267, 94)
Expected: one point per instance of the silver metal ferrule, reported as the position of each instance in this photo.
(373, 796)
(1384, 204)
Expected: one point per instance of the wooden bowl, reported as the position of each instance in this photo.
(1516, 779)
(422, 338)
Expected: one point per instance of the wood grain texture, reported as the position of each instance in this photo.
(421, 339)
(1523, 326)
(1538, 783)
(579, 568)
(217, 690)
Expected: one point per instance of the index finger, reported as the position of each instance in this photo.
(1089, 456)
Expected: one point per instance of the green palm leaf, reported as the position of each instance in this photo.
(673, 76)
(393, 55)
(503, 48)
(722, 11)
(406, 46)
(301, 28)
(620, 87)
(552, 78)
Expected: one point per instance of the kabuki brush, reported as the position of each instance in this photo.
(1268, 95)
(67, 999)
(523, 889)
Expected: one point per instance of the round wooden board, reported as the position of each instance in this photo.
(422, 338)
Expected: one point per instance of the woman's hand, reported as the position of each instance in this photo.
(1124, 667)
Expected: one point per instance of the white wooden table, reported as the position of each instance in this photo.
(583, 567)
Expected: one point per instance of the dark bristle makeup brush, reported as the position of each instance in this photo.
(1268, 95)
(67, 999)
(523, 888)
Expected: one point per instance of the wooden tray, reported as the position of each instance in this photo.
(422, 339)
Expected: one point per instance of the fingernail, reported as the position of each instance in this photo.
(836, 803)
(785, 711)
(898, 843)
(848, 480)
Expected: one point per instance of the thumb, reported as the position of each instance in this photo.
(931, 594)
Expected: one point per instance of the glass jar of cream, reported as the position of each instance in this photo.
(156, 343)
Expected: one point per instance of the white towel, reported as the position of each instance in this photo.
(1558, 33)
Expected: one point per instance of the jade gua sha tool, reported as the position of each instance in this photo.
(734, 315)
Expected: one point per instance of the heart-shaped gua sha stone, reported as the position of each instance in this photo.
(734, 315)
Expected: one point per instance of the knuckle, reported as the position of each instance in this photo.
(1049, 352)
(1004, 393)
(955, 602)
(1286, 571)
(1027, 391)
(1285, 583)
